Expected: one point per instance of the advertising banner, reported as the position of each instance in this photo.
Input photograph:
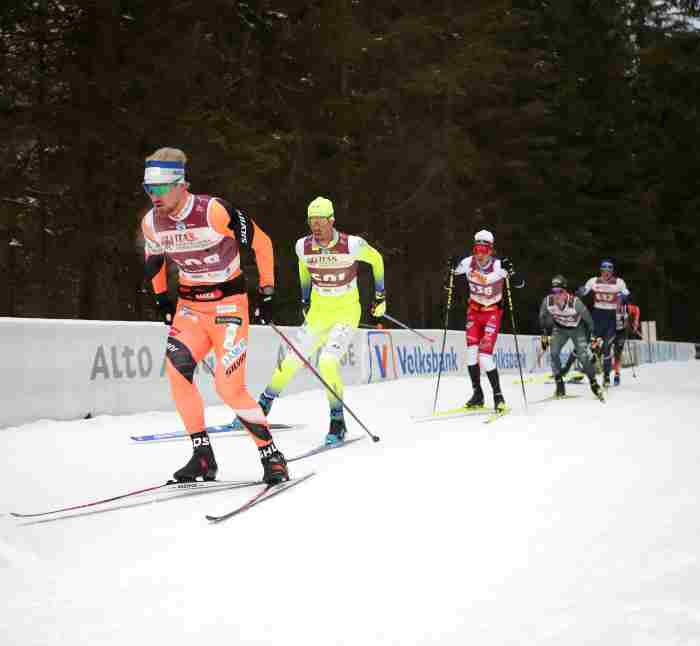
(63, 369)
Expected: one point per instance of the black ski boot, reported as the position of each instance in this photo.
(477, 399)
(561, 390)
(498, 402)
(274, 464)
(336, 432)
(606, 380)
(202, 464)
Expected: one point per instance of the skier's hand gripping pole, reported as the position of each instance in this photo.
(302, 358)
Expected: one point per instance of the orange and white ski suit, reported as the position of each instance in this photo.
(204, 240)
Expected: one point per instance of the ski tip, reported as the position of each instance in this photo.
(294, 481)
(269, 491)
(497, 415)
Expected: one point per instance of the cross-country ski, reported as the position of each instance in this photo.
(269, 491)
(171, 488)
(323, 448)
(230, 430)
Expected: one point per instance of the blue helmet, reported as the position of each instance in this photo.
(607, 265)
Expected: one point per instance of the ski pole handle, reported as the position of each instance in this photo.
(449, 288)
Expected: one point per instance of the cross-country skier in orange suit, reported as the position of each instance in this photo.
(203, 236)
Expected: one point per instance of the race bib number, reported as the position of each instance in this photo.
(607, 298)
(482, 290)
(329, 277)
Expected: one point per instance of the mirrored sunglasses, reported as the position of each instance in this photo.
(482, 249)
(159, 189)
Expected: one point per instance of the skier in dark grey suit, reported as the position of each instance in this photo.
(566, 318)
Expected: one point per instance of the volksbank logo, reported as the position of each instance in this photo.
(417, 361)
(508, 359)
(382, 359)
(412, 360)
(381, 354)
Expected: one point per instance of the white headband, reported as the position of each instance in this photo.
(164, 172)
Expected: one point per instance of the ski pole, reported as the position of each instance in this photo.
(405, 327)
(631, 356)
(448, 306)
(515, 336)
(375, 438)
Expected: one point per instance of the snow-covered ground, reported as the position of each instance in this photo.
(573, 524)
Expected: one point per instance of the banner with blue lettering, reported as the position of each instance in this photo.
(61, 369)
(393, 354)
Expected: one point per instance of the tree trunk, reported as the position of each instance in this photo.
(96, 101)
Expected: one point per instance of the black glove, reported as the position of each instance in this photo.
(580, 292)
(544, 342)
(264, 310)
(507, 264)
(166, 308)
(304, 309)
(378, 308)
(453, 262)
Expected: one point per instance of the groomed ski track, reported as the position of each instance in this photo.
(573, 524)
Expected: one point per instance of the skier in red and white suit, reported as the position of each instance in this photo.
(486, 278)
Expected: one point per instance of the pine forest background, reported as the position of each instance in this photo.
(570, 128)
